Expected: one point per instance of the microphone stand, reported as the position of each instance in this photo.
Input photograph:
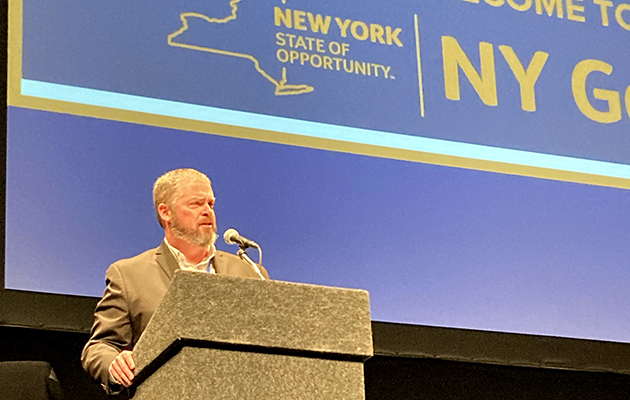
(243, 255)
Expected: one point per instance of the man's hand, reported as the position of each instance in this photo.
(122, 368)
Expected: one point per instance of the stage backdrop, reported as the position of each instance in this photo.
(466, 161)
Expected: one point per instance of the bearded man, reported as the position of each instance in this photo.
(184, 204)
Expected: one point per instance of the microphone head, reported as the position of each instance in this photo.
(229, 234)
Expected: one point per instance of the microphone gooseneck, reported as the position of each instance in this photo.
(231, 236)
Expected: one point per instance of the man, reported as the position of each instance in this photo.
(184, 204)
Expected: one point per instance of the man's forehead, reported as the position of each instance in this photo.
(196, 188)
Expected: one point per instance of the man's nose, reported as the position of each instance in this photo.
(208, 210)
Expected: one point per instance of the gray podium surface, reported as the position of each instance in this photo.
(222, 337)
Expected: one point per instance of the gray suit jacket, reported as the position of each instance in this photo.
(135, 287)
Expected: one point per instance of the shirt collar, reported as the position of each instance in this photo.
(188, 266)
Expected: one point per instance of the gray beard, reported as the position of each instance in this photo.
(192, 236)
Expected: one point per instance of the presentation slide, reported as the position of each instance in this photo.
(466, 161)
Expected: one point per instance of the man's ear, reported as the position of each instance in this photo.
(165, 212)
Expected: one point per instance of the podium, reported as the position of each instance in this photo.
(220, 337)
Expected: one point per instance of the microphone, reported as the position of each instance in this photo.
(231, 236)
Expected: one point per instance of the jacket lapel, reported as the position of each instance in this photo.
(166, 260)
(219, 264)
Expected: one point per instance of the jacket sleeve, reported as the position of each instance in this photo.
(111, 332)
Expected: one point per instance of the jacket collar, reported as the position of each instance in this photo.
(166, 260)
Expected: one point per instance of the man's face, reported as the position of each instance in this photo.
(193, 218)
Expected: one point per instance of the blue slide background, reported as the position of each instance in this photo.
(433, 245)
(124, 49)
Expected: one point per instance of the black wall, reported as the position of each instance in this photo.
(412, 378)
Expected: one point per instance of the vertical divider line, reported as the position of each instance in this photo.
(420, 84)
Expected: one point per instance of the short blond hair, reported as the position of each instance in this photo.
(167, 187)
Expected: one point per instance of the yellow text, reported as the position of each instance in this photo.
(359, 30)
(485, 83)
(611, 99)
(572, 9)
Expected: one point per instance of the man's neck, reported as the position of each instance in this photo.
(194, 254)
